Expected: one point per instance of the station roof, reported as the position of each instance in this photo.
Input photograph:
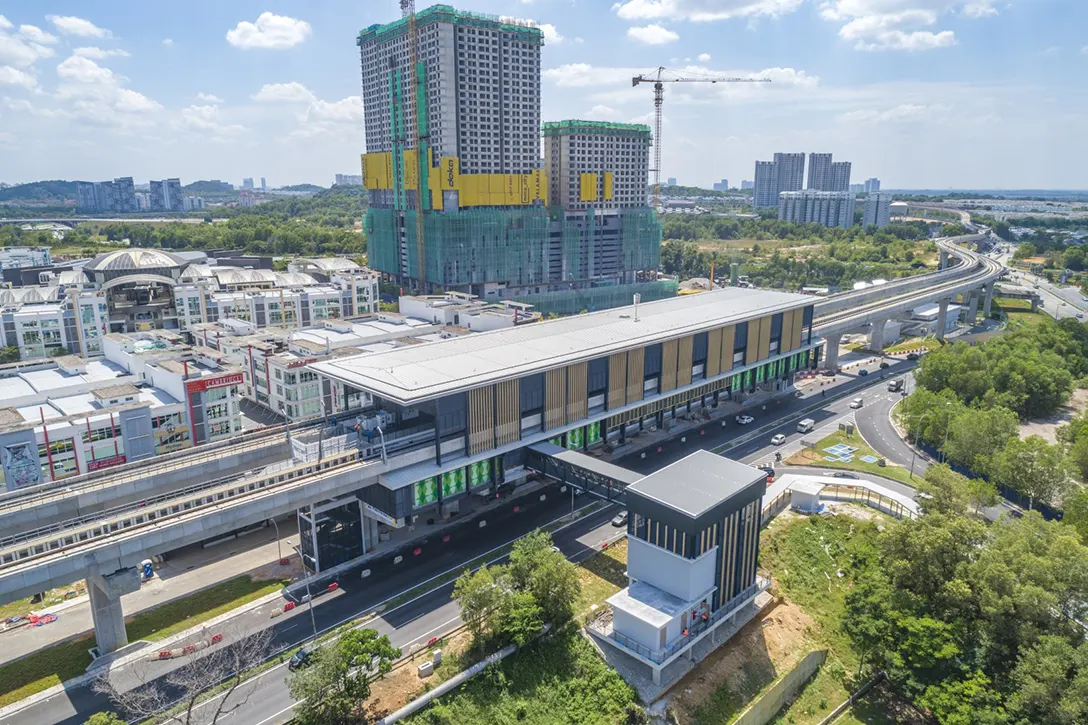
(697, 483)
(421, 372)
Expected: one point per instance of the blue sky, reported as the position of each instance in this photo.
(921, 93)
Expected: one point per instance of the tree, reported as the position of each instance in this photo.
(104, 718)
(968, 701)
(1051, 683)
(1075, 512)
(9, 355)
(333, 688)
(520, 617)
(224, 663)
(537, 567)
(950, 492)
(976, 434)
(479, 595)
(1033, 467)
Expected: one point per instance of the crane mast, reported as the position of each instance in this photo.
(659, 78)
(408, 10)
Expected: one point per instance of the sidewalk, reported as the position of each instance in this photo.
(185, 572)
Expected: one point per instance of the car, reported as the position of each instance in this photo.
(1080, 315)
(299, 659)
(1084, 299)
(556, 550)
(744, 419)
(769, 470)
(1065, 304)
(843, 474)
(778, 439)
(828, 373)
(885, 364)
(857, 403)
(913, 356)
(620, 519)
(862, 373)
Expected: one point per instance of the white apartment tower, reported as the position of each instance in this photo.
(828, 208)
(819, 172)
(840, 176)
(765, 189)
(791, 171)
(598, 164)
(878, 209)
(482, 90)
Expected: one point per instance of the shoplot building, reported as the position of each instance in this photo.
(458, 416)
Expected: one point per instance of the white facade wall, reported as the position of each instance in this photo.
(586, 150)
(683, 578)
(878, 209)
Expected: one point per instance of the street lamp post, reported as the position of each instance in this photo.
(279, 547)
(914, 448)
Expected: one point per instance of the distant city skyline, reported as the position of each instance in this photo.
(921, 97)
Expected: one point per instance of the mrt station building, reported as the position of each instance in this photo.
(459, 416)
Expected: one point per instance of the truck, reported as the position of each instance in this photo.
(895, 385)
(806, 425)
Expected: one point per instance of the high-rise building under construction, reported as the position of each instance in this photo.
(494, 221)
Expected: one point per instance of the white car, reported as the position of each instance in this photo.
(744, 419)
(857, 403)
(778, 439)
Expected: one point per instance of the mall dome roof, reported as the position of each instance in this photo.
(131, 260)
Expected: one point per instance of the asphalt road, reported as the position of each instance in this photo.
(415, 621)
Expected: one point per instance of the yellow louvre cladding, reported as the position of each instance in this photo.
(473, 189)
(588, 188)
(608, 186)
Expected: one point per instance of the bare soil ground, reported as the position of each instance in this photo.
(777, 638)
(1048, 427)
(403, 684)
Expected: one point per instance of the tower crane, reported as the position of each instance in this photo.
(408, 10)
(662, 76)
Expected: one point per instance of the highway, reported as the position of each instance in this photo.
(420, 619)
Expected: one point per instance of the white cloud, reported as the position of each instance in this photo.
(270, 31)
(702, 10)
(36, 35)
(19, 51)
(208, 98)
(551, 35)
(917, 40)
(704, 57)
(99, 53)
(168, 42)
(5, 24)
(602, 112)
(652, 35)
(207, 119)
(901, 25)
(1052, 50)
(292, 92)
(349, 110)
(71, 25)
(15, 77)
(898, 114)
(98, 95)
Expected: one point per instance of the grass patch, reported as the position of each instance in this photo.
(558, 680)
(1018, 320)
(44, 669)
(21, 607)
(729, 699)
(881, 707)
(602, 575)
(1009, 304)
(52, 666)
(815, 561)
(914, 343)
(181, 614)
(809, 457)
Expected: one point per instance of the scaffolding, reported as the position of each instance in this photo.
(573, 301)
(527, 29)
(605, 128)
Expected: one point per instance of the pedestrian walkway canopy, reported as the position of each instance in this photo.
(586, 472)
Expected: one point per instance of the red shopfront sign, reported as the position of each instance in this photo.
(199, 386)
(301, 363)
(105, 462)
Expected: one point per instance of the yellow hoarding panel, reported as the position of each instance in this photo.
(450, 175)
(525, 189)
(588, 188)
(466, 188)
(495, 183)
(411, 170)
(608, 186)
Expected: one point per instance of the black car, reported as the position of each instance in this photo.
(843, 474)
(299, 660)
(912, 356)
(885, 365)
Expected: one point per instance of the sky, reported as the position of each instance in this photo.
(933, 94)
